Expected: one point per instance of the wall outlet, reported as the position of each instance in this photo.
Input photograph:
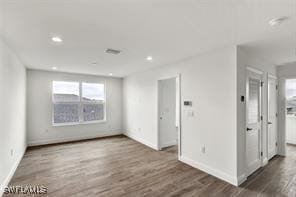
(203, 149)
(11, 152)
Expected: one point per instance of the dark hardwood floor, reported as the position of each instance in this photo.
(119, 166)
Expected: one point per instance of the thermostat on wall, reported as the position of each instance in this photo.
(187, 103)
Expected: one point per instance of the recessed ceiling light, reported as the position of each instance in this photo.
(110, 74)
(57, 39)
(277, 21)
(54, 68)
(149, 58)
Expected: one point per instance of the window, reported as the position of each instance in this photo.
(93, 99)
(75, 102)
(66, 102)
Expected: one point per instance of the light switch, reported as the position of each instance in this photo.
(190, 113)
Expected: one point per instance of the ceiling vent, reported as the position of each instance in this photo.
(113, 51)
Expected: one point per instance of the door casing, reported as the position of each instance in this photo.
(272, 77)
(249, 72)
(178, 112)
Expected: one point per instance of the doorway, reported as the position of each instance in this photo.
(290, 116)
(253, 119)
(169, 113)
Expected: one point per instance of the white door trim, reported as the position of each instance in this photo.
(260, 73)
(254, 70)
(282, 115)
(282, 106)
(271, 76)
(282, 150)
(178, 113)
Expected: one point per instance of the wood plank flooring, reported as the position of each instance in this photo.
(119, 166)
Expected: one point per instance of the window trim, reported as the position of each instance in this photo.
(80, 103)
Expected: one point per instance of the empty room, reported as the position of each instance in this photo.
(147, 98)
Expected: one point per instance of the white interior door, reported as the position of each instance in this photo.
(253, 120)
(272, 117)
(168, 132)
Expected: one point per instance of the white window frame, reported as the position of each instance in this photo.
(80, 103)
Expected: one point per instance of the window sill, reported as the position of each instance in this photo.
(78, 123)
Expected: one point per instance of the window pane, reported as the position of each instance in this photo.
(93, 92)
(66, 113)
(65, 91)
(93, 112)
(253, 115)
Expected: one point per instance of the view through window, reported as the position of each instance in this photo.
(78, 102)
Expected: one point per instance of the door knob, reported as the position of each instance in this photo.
(269, 122)
(160, 118)
(249, 129)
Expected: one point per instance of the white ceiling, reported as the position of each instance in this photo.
(168, 30)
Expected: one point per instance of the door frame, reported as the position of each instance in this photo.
(256, 72)
(282, 112)
(178, 111)
(271, 76)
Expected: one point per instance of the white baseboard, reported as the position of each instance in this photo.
(11, 173)
(70, 139)
(167, 144)
(141, 140)
(289, 141)
(214, 172)
(265, 161)
(242, 178)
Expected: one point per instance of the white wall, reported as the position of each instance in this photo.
(13, 110)
(247, 58)
(209, 81)
(39, 111)
(287, 71)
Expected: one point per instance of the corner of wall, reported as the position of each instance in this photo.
(214, 172)
(13, 72)
(141, 140)
(240, 179)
